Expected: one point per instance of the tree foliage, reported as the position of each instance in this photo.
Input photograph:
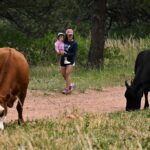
(38, 18)
(35, 17)
(128, 12)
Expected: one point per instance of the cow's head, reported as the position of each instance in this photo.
(133, 98)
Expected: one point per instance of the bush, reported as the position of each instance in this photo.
(113, 56)
(39, 51)
(83, 49)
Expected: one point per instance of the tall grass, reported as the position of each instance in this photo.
(49, 78)
(122, 130)
(129, 47)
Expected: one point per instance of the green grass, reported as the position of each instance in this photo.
(49, 78)
(121, 130)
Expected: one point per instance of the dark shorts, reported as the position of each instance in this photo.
(65, 65)
(72, 62)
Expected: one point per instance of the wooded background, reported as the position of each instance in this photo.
(24, 21)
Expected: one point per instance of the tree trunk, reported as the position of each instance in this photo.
(95, 58)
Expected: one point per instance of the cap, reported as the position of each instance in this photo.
(69, 31)
(60, 33)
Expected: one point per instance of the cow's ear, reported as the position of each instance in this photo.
(126, 84)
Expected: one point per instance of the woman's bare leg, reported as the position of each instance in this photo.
(63, 72)
(69, 70)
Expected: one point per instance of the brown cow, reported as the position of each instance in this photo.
(14, 79)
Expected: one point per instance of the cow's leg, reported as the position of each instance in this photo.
(11, 101)
(146, 100)
(3, 113)
(20, 107)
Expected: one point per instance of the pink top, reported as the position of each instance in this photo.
(59, 46)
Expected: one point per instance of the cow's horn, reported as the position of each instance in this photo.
(126, 84)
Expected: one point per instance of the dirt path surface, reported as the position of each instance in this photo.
(40, 104)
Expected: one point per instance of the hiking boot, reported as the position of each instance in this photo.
(66, 91)
(72, 86)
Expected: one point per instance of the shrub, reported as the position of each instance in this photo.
(113, 56)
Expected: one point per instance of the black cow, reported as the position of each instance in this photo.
(140, 84)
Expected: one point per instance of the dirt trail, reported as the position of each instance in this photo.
(50, 105)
